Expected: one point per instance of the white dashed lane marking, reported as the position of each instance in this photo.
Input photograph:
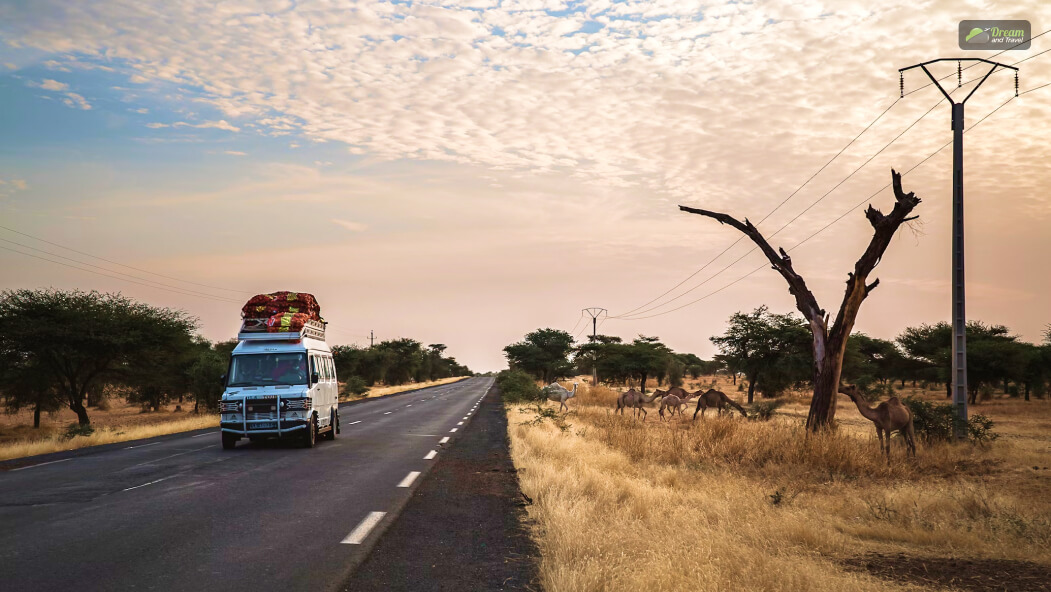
(150, 483)
(141, 445)
(407, 481)
(431, 455)
(205, 434)
(362, 530)
(443, 440)
(453, 430)
(459, 423)
(49, 463)
(387, 413)
(354, 422)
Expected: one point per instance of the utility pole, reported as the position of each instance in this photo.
(372, 338)
(959, 317)
(595, 313)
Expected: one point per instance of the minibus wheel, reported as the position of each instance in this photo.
(333, 427)
(229, 441)
(310, 438)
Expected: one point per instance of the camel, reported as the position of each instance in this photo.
(889, 416)
(557, 392)
(678, 391)
(675, 402)
(717, 399)
(634, 399)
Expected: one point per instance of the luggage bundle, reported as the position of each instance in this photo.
(281, 312)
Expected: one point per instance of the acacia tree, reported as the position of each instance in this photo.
(79, 339)
(544, 353)
(830, 342)
(768, 348)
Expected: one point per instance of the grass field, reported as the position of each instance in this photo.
(122, 422)
(730, 504)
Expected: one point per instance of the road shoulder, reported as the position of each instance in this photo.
(464, 526)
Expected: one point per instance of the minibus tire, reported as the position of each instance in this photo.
(229, 441)
(310, 434)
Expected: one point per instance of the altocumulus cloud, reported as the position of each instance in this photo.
(663, 97)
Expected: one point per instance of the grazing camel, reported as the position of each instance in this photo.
(634, 399)
(678, 391)
(889, 416)
(717, 399)
(557, 392)
(675, 402)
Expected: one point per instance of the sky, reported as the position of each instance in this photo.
(466, 172)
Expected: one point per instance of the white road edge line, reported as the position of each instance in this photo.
(51, 462)
(407, 481)
(443, 440)
(431, 455)
(205, 434)
(362, 530)
(453, 430)
(150, 483)
(459, 423)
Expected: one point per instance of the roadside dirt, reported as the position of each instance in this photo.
(464, 528)
(972, 575)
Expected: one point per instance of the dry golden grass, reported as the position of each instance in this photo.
(54, 442)
(380, 391)
(621, 504)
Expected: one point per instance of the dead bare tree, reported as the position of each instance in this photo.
(830, 344)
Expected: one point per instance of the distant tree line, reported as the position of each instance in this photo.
(73, 349)
(772, 353)
(394, 362)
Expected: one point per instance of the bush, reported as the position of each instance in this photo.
(75, 429)
(764, 410)
(355, 387)
(518, 387)
(934, 422)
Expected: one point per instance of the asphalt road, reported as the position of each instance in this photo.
(180, 513)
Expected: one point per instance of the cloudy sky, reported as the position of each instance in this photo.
(464, 172)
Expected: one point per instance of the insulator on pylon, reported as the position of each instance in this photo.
(1016, 83)
(959, 75)
(901, 83)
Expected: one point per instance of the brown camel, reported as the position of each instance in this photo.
(717, 399)
(675, 402)
(678, 391)
(889, 416)
(635, 400)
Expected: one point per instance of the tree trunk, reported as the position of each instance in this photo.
(77, 406)
(903, 383)
(734, 374)
(751, 388)
(642, 384)
(1027, 390)
(36, 415)
(948, 389)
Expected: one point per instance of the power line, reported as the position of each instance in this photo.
(786, 224)
(216, 298)
(826, 226)
(121, 264)
(739, 239)
(753, 249)
(186, 290)
(783, 202)
(990, 57)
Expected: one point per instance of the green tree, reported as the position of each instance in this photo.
(645, 357)
(28, 384)
(543, 353)
(79, 339)
(204, 377)
(771, 350)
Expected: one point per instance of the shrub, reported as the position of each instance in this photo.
(355, 386)
(934, 422)
(518, 387)
(764, 410)
(75, 429)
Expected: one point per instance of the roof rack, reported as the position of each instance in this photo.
(257, 330)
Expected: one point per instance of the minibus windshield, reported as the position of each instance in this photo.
(268, 369)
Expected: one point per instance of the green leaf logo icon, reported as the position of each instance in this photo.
(977, 35)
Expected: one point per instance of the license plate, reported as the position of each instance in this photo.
(269, 425)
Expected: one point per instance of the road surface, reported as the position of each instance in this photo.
(183, 514)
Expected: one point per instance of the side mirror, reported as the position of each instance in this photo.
(315, 378)
(222, 380)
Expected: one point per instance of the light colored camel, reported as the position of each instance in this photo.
(557, 392)
(635, 400)
(717, 399)
(889, 416)
(676, 403)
